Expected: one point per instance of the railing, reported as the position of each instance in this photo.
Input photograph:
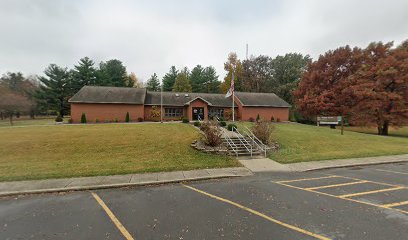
(242, 139)
(256, 141)
(231, 144)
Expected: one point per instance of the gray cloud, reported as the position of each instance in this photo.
(150, 36)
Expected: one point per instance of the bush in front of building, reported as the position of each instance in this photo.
(258, 118)
(140, 119)
(127, 119)
(278, 120)
(70, 120)
(83, 118)
(185, 120)
(212, 133)
(59, 118)
(197, 124)
(272, 119)
(263, 130)
(116, 120)
(223, 124)
(251, 119)
(97, 120)
(230, 126)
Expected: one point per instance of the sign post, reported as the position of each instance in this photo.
(331, 120)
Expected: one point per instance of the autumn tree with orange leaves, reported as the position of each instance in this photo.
(368, 86)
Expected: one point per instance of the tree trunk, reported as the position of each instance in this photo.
(11, 119)
(383, 129)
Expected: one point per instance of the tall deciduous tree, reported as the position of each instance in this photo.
(113, 73)
(256, 72)
(12, 102)
(321, 91)
(134, 81)
(153, 83)
(233, 65)
(182, 83)
(380, 88)
(169, 79)
(55, 89)
(287, 72)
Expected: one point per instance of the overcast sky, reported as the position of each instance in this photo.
(150, 36)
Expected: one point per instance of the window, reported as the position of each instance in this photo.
(215, 112)
(173, 112)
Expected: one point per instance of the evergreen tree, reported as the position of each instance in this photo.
(211, 83)
(153, 83)
(55, 90)
(182, 83)
(83, 74)
(197, 79)
(113, 73)
(169, 79)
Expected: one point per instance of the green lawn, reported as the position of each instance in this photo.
(397, 132)
(37, 152)
(301, 143)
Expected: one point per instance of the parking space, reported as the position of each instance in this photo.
(350, 203)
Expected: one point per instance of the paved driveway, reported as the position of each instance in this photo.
(351, 203)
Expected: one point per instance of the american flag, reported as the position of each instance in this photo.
(231, 90)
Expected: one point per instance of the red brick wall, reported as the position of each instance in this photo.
(265, 113)
(105, 111)
(197, 103)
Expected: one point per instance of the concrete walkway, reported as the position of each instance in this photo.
(87, 183)
(268, 165)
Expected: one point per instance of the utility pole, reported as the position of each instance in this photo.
(246, 51)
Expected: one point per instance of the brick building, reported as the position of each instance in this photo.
(110, 103)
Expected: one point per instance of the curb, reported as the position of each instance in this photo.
(121, 185)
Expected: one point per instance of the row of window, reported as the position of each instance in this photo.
(178, 112)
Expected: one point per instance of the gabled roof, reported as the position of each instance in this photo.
(97, 94)
(260, 99)
(182, 99)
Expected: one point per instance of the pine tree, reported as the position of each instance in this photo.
(197, 79)
(55, 90)
(211, 83)
(182, 83)
(169, 79)
(113, 73)
(153, 83)
(83, 74)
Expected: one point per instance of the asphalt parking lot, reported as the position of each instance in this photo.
(349, 203)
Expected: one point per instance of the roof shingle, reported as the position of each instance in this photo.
(96, 94)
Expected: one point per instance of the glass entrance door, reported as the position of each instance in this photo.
(198, 113)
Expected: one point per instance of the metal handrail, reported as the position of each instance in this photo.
(263, 147)
(232, 144)
(238, 135)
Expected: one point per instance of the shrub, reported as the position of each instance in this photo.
(107, 121)
(97, 120)
(278, 119)
(222, 119)
(83, 118)
(223, 124)
(70, 120)
(155, 113)
(116, 120)
(251, 119)
(127, 119)
(59, 118)
(140, 119)
(263, 131)
(258, 118)
(185, 120)
(230, 126)
(272, 119)
(212, 133)
(197, 124)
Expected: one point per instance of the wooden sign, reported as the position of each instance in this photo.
(328, 120)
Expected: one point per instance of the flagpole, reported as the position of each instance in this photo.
(233, 110)
(161, 103)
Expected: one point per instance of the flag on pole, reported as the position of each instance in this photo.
(231, 90)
